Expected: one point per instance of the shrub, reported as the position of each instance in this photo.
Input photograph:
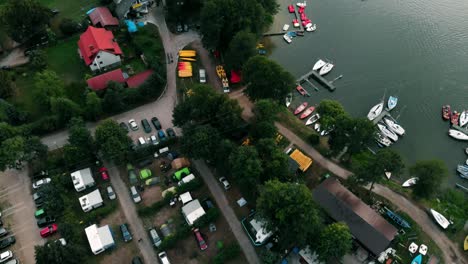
(169, 242)
(228, 253)
(38, 60)
(314, 139)
(189, 186)
(69, 27)
(210, 216)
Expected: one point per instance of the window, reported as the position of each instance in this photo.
(100, 62)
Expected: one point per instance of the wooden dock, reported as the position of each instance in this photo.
(381, 116)
(313, 74)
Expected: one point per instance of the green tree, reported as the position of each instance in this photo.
(274, 161)
(431, 174)
(112, 141)
(329, 111)
(48, 85)
(266, 109)
(23, 19)
(200, 141)
(334, 242)
(153, 87)
(93, 106)
(113, 99)
(289, 209)
(246, 168)
(38, 59)
(64, 108)
(53, 204)
(15, 150)
(6, 85)
(54, 253)
(241, 48)
(269, 256)
(355, 133)
(223, 151)
(263, 129)
(266, 79)
(80, 136)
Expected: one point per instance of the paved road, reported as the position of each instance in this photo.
(227, 211)
(18, 213)
(129, 210)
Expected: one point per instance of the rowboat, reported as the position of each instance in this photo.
(464, 118)
(288, 99)
(410, 182)
(394, 127)
(375, 111)
(300, 108)
(392, 102)
(382, 140)
(319, 64)
(440, 219)
(314, 118)
(417, 259)
(307, 112)
(326, 69)
(295, 23)
(457, 134)
(454, 118)
(312, 28)
(291, 8)
(446, 112)
(386, 132)
(301, 90)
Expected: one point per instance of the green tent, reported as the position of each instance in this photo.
(145, 173)
(178, 175)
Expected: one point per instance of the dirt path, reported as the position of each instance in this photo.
(15, 58)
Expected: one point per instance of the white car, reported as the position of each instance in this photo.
(40, 183)
(163, 258)
(154, 140)
(225, 183)
(6, 256)
(133, 124)
(111, 193)
(135, 196)
(62, 241)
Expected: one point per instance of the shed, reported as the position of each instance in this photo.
(82, 179)
(100, 82)
(91, 200)
(180, 163)
(301, 159)
(99, 238)
(192, 211)
(138, 79)
(102, 17)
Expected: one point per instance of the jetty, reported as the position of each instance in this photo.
(379, 118)
(313, 74)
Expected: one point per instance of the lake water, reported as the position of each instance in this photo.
(414, 49)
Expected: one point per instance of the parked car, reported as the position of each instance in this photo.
(111, 193)
(39, 213)
(124, 126)
(170, 132)
(154, 140)
(4, 256)
(144, 163)
(136, 260)
(146, 125)
(165, 230)
(208, 203)
(7, 242)
(141, 141)
(185, 27)
(133, 124)
(104, 173)
(156, 123)
(125, 233)
(225, 183)
(179, 27)
(155, 239)
(161, 135)
(3, 232)
(152, 181)
(38, 184)
(199, 238)
(48, 231)
(38, 199)
(135, 195)
(132, 177)
(45, 221)
(163, 258)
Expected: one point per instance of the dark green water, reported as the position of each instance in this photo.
(417, 50)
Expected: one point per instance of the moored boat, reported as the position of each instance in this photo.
(394, 126)
(317, 127)
(285, 27)
(417, 259)
(382, 140)
(375, 111)
(465, 246)
(287, 38)
(314, 118)
(307, 112)
(457, 134)
(301, 90)
(454, 118)
(319, 64)
(326, 68)
(312, 28)
(291, 8)
(300, 33)
(388, 133)
(397, 218)
(440, 219)
(289, 99)
(410, 182)
(388, 174)
(466, 151)
(295, 23)
(464, 118)
(392, 102)
(300, 108)
(446, 112)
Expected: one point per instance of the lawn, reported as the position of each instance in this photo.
(74, 9)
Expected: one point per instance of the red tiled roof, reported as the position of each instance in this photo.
(94, 40)
(139, 79)
(100, 82)
(102, 15)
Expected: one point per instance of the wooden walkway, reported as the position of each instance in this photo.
(313, 74)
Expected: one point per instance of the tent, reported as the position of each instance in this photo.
(180, 163)
(301, 159)
(131, 26)
(236, 76)
(178, 175)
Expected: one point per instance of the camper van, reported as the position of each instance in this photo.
(186, 179)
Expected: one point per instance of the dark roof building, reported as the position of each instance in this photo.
(100, 82)
(102, 17)
(367, 226)
(138, 79)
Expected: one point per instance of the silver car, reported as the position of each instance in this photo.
(135, 195)
(111, 193)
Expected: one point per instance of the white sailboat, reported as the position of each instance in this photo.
(440, 219)
(288, 99)
(410, 182)
(314, 118)
(375, 111)
(326, 68)
(319, 64)
(464, 118)
(394, 127)
(457, 134)
(386, 132)
(383, 140)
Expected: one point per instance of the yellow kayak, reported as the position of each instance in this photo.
(187, 59)
(466, 243)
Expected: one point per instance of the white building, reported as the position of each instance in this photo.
(260, 232)
(91, 200)
(192, 211)
(82, 179)
(99, 238)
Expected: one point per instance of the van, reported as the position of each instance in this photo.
(163, 258)
(141, 141)
(155, 239)
(186, 179)
(163, 150)
(202, 76)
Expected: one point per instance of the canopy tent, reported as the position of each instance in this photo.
(236, 76)
(301, 159)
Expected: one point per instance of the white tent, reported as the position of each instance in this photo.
(99, 238)
(192, 211)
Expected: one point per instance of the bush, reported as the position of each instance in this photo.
(189, 186)
(314, 139)
(42, 126)
(169, 242)
(228, 253)
(69, 27)
(38, 60)
(210, 216)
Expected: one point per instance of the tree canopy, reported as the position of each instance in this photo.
(241, 48)
(334, 241)
(246, 168)
(266, 79)
(329, 111)
(18, 149)
(430, 174)
(112, 141)
(6, 85)
(54, 253)
(354, 133)
(81, 143)
(274, 161)
(48, 85)
(200, 141)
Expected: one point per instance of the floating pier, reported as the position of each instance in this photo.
(313, 74)
(381, 116)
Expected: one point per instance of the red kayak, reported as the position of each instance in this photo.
(300, 10)
(301, 90)
(446, 112)
(300, 108)
(303, 16)
(454, 118)
(308, 112)
(291, 8)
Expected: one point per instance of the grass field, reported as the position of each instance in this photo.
(74, 9)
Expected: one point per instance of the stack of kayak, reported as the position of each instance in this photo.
(184, 69)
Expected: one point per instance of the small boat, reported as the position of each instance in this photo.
(303, 17)
(388, 133)
(388, 174)
(423, 249)
(410, 182)
(291, 8)
(392, 102)
(440, 219)
(446, 112)
(307, 112)
(301, 90)
(466, 162)
(287, 38)
(300, 108)
(398, 219)
(326, 69)
(285, 27)
(417, 259)
(464, 118)
(317, 127)
(311, 28)
(375, 111)
(465, 246)
(394, 127)
(300, 10)
(289, 99)
(457, 134)
(454, 118)
(382, 140)
(295, 23)
(319, 64)
(314, 118)
(303, 4)
(300, 33)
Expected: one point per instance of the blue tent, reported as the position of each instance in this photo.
(131, 26)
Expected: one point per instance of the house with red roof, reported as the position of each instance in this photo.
(100, 82)
(139, 78)
(102, 17)
(99, 50)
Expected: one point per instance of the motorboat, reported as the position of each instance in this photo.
(454, 118)
(457, 134)
(392, 102)
(307, 112)
(289, 99)
(410, 182)
(308, 24)
(311, 28)
(388, 174)
(319, 64)
(301, 90)
(394, 127)
(375, 111)
(314, 118)
(292, 34)
(300, 10)
(291, 8)
(382, 140)
(440, 219)
(326, 69)
(296, 23)
(300, 108)
(464, 118)
(386, 132)
(417, 259)
(317, 127)
(446, 112)
(285, 27)
(303, 17)
(287, 38)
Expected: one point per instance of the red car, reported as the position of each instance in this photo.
(201, 242)
(104, 173)
(48, 231)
